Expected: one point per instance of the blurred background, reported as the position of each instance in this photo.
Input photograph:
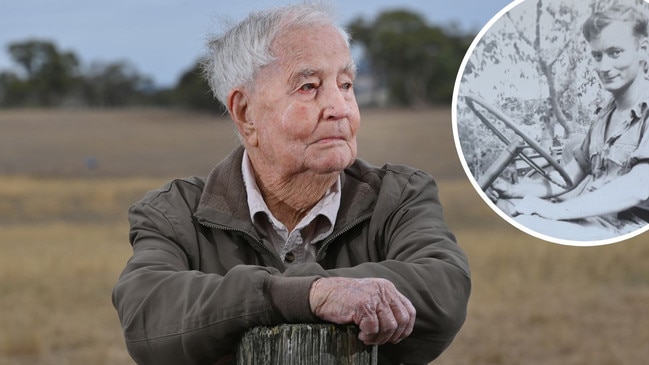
(100, 102)
(124, 53)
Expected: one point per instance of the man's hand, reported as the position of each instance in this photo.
(502, 189)
(533, 205)
(375, 305)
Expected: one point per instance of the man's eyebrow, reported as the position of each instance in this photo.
(350, 69)
(300, 75)
(296, 77)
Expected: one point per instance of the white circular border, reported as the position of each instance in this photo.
(470, 176)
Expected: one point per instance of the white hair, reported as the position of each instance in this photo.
(235, 56)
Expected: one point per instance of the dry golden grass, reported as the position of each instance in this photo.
(143, 142)
(55, 280)
(538, 303)
(32, 200)
(64, 241)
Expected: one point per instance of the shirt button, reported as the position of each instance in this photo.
(290, 257)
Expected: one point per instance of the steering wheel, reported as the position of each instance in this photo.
(515, 148)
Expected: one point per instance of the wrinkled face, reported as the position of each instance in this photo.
(303, 105)
(617, 54)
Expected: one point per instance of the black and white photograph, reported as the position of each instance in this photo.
(550, 118)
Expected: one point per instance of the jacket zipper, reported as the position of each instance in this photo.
(207, 224)
(345, 229)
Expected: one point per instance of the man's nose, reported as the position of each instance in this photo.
(335, 103)
(604, 65)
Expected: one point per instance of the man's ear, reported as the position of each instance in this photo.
(238, 105)
(643, 47)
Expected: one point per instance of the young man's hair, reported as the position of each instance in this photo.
(602, 18)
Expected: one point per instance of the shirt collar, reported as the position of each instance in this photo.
(327, 206)
(636, 112)
(639, 109)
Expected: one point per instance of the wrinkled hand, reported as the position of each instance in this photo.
(382, 313)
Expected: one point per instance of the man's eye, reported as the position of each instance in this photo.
(597, 56)
(346, 86)
(308, 87)
(615, 53)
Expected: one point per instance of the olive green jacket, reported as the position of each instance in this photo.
(200, 275)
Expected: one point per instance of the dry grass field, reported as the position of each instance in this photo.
(63, 241)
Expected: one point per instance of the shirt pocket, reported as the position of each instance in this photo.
(619, 156)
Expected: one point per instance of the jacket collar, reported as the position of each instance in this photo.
(224, 203)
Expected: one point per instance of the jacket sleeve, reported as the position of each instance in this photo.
(171, 314)
(423, 261)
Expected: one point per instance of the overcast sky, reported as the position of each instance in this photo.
(163, 38)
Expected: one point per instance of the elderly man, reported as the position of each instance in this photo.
(291, 227)
(611, 166)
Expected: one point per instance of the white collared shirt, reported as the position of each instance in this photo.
(299, 245)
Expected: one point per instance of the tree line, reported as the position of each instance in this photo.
(48, 77)
(413, 61)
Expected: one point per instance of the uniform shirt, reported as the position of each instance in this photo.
(606, 155)
(301, 244)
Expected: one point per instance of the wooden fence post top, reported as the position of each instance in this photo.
(305, 344)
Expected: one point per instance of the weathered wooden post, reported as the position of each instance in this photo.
(305, 344)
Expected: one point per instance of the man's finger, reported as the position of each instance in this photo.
(403, 319)
(412, 316)
(369, 327)
(388, 324)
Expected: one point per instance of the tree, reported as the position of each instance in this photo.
(548, 49)
(49, 73)
(416, 61)
(13, 90)
(193, 91)
(49, 77)
(114, 84)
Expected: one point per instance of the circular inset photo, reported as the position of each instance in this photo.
(551, 118)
